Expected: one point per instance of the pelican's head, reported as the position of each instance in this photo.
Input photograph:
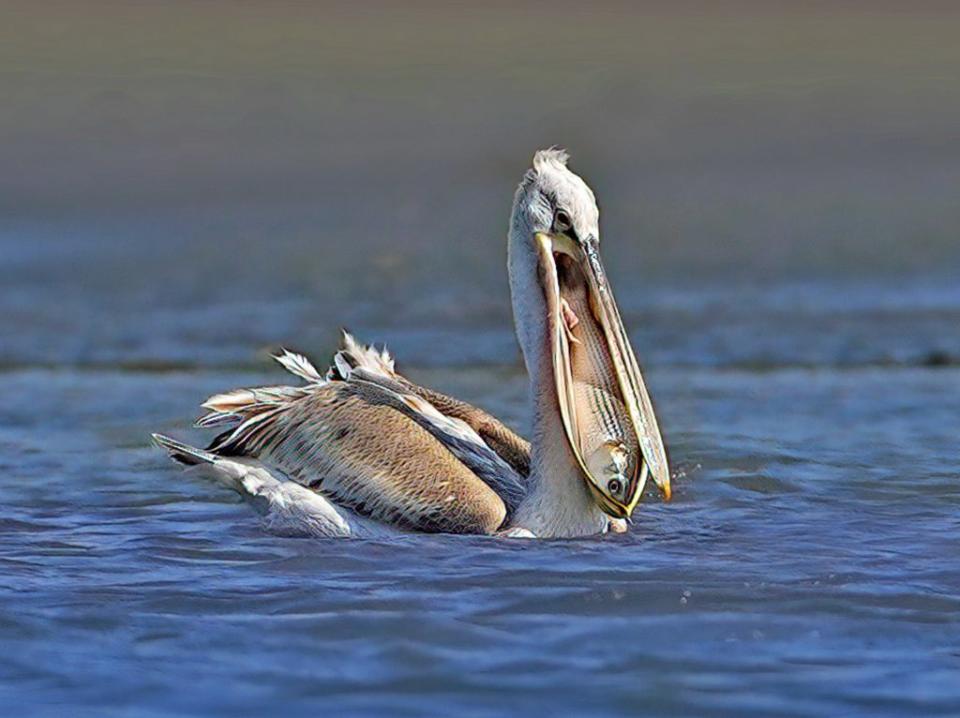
(568, 324)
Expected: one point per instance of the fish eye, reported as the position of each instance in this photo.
(562, 221)
(614, 486)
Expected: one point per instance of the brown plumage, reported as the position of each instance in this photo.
(378, 444)
(511, 447)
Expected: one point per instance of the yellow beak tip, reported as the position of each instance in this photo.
(667, 493)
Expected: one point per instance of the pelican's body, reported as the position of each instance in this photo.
(361, 451)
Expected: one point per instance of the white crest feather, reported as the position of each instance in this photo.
(556, 156)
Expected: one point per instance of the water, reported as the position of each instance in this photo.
(806, 566)
(786, 262)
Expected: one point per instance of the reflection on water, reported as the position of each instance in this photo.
(185, 187)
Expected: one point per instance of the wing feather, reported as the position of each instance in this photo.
(376, 443)
(346, 442)
(354, 358)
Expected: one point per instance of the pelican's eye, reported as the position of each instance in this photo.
(613, 486)
(562, 221)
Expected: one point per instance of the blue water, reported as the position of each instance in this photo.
(806, 565)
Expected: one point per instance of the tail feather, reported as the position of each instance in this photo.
(233, 407)
(183, 453)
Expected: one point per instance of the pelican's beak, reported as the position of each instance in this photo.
(607, 414)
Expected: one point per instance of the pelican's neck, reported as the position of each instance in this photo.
(558, 502)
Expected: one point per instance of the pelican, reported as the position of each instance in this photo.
(359, 450)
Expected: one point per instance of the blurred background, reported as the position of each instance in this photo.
(186, 186)
(182, 182)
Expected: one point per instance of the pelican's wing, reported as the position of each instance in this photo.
(370, 446)
(509, 446)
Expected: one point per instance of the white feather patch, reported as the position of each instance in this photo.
(367, 356)
(300, 366)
